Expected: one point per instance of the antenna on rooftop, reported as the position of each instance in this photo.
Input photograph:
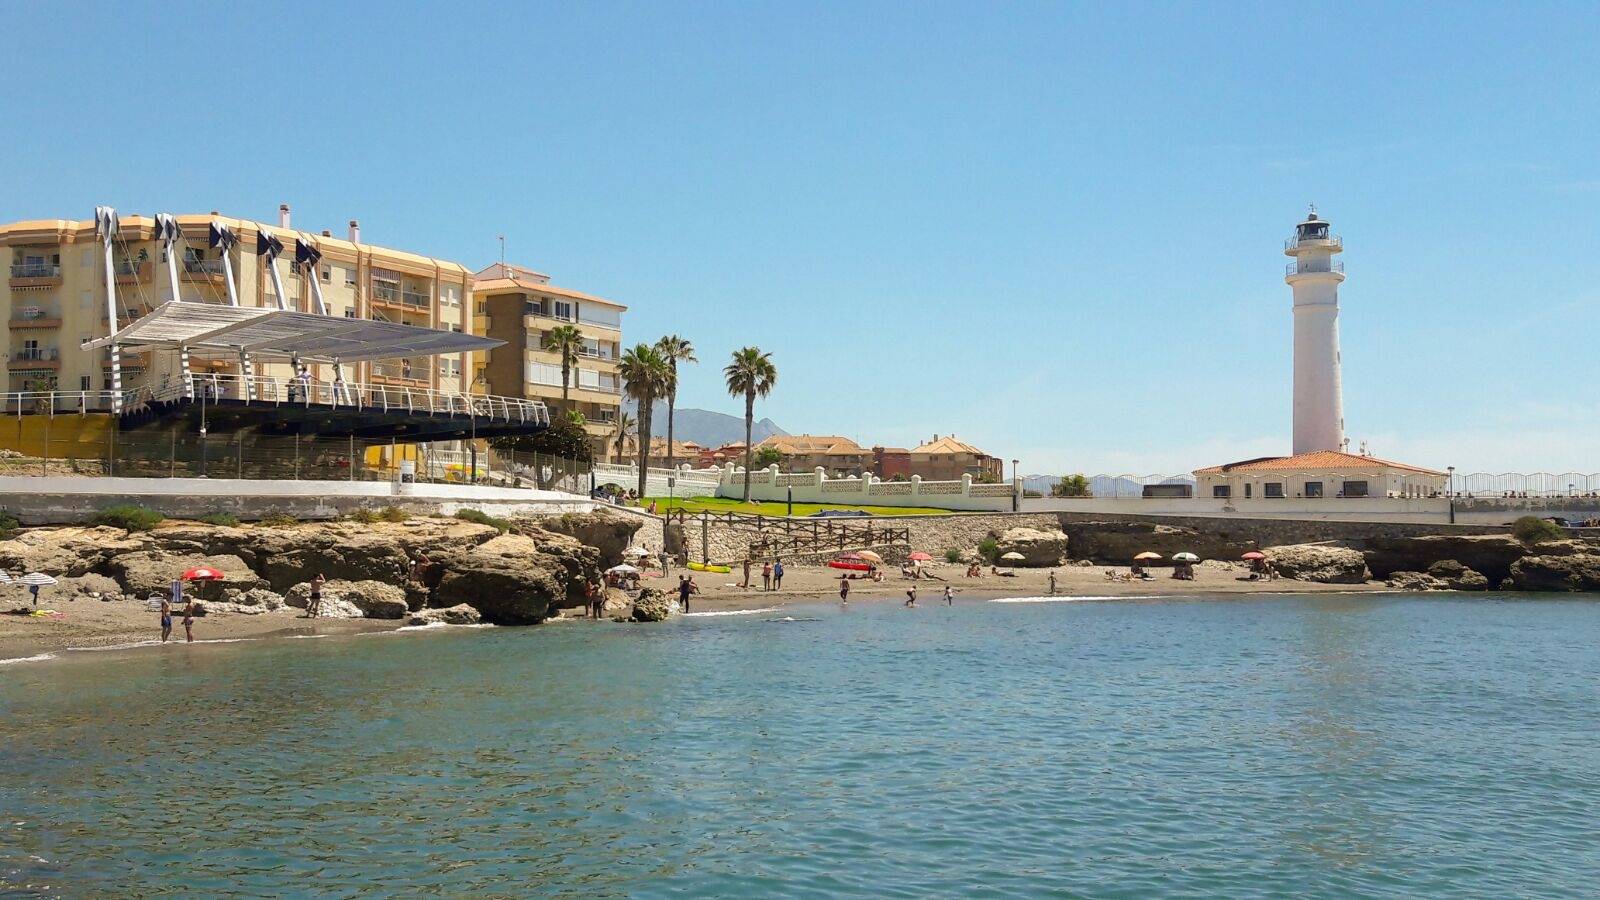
(502, 250)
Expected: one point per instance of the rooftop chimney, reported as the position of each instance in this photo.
(283, 215)
(327, 233)
(355, 232)
(215, 213)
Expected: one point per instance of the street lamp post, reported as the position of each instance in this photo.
(1016, 486)
(790, 511)
(1450, 491)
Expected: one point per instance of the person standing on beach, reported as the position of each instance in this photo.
(686, 586)
(166, 618)
(844, 589)
(746, 582)
(1052, 581)
(314, 605)
(777, 575)
(911, 595)
(188, 621)
(949, 596)
(766, 576)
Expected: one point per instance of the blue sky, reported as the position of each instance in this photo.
(1052, 229)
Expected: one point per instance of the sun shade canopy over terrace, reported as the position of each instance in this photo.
(207, 329)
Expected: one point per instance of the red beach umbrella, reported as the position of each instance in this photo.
(919, 556)
(202, 573)
(1254, 554)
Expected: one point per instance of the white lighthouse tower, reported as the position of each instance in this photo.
(1314, 277)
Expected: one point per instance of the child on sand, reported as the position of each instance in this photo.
(949, 596)
(911, 596)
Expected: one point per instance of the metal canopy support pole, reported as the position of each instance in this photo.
(247, 373)
(169, 234)
(106, 226)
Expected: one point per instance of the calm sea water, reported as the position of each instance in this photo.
(1310, 746)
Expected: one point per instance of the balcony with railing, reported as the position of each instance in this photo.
(35, 275)
(400, 372)
(35, 317)
(1319, 267)
(1330, 242)
(133, 272)
(204, 270)
(418, 299)
(35, 358)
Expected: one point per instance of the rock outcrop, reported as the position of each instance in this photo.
(1116, 543)
(460, 614)
(374, 570)
(1458, 577)
(1578, 572)
(1414, 581)
(653, 606)
(606, 531)
(146, 572)
(1324, 563)
(515, 579)
(371, 599)
(1489, 554)
(1039, 549)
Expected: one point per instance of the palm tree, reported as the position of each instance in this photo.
(625, 426)
(644, 376)
(751, 373)
(566, 340)
(674, 350)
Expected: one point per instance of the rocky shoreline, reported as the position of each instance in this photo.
(419, 571)
(1466, 562)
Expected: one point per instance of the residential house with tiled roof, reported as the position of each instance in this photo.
(1321, 473)
(944, 458)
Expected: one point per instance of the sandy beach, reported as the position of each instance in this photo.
(808, 584)
(91, 624)
(97, 625)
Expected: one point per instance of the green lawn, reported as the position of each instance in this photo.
(723, 505)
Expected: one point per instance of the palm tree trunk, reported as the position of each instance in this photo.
(672, 403)
(644, 441)
(749, 418)
(566, 377)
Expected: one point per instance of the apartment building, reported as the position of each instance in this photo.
(54, 298)
(520, 306)
(947, 459)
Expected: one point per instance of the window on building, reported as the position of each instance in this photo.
(1220, 490)
(1313, 489)
(83, 382)
(350, 277)
(1247, 488)
(563, 310)
(327, 274)
(350, 312)
(481, 307)
(1272, 489)
(1354, 489)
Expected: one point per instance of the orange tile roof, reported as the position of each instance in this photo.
(948, 444)
(1319, 459)
(806, 444)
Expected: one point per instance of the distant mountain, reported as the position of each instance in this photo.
(1099, 485)
(704, 427)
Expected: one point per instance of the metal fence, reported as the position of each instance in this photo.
(180, 453)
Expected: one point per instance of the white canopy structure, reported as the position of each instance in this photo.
(263, 332)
